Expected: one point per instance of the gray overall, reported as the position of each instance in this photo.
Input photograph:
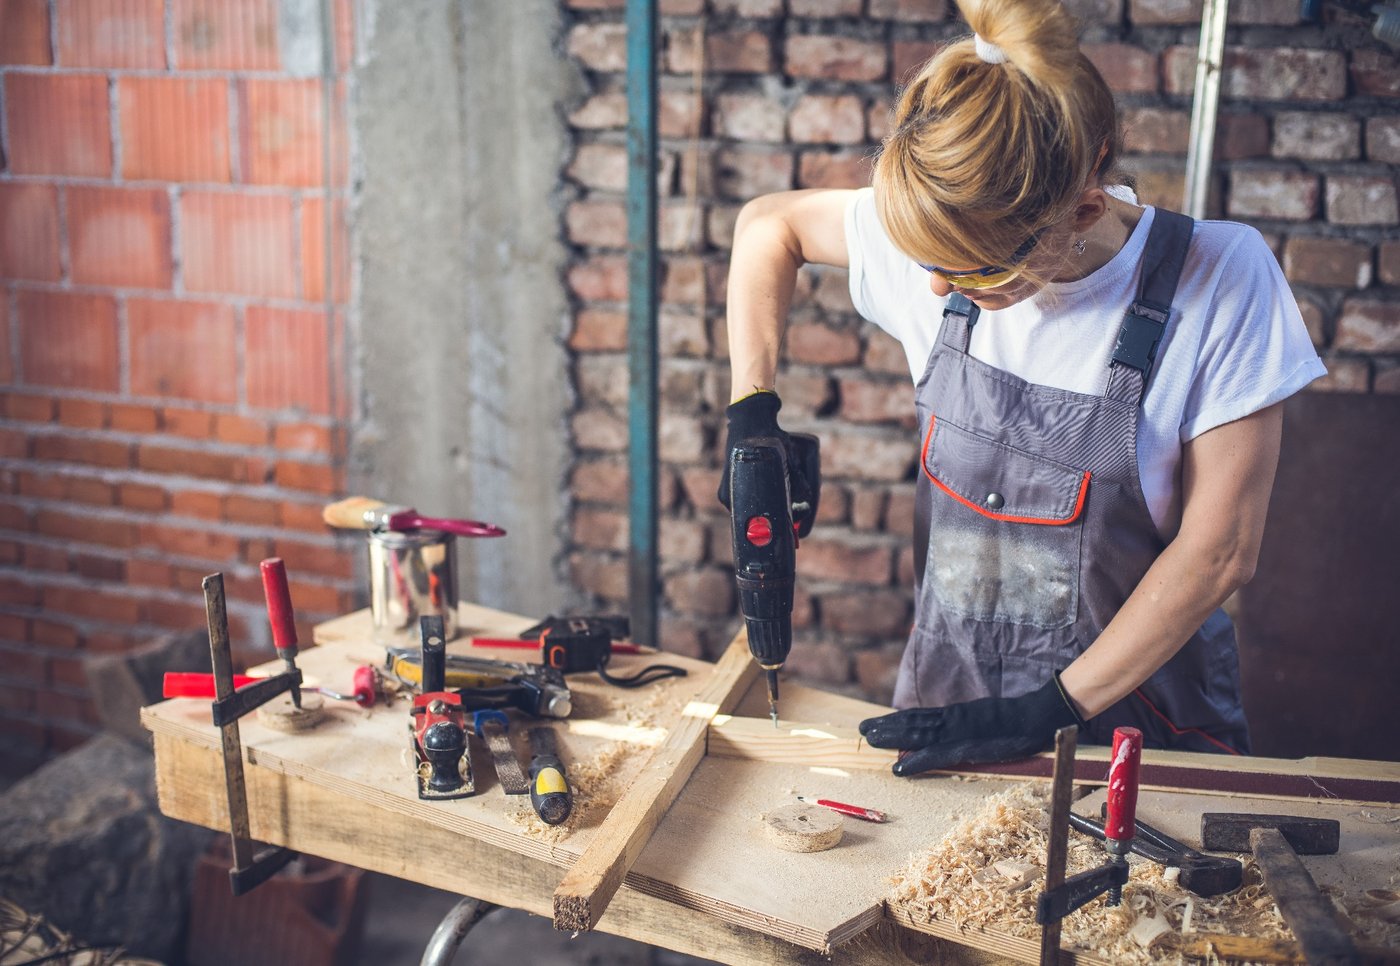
(1031, 530)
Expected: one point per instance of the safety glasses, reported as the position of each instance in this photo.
(989, 276)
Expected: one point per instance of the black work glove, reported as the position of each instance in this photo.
(756, 416)
(984, 730)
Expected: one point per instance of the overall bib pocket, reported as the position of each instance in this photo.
(1005, 530)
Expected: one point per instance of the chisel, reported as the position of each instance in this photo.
(549, 786)
(493, 727)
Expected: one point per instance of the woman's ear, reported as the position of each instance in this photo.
(1093, 205)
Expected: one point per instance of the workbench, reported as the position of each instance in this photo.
(704, 881)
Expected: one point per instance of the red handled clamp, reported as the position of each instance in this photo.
(1119, 825)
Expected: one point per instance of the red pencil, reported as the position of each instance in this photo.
(856, 811)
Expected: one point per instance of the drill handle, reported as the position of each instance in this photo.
(807, 469)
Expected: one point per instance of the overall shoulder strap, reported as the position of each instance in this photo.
(959, 316)
(1145, 323)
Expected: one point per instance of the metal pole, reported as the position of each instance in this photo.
(1210, 62)
(641, 316)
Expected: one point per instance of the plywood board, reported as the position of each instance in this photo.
(364, 756)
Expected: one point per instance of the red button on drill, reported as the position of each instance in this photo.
(760, 531)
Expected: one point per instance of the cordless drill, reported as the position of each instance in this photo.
(766, 527)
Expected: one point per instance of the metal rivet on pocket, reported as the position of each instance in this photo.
(995, 501)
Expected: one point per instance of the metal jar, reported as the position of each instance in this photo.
(412, 573)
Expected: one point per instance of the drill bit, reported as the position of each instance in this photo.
(773, 694)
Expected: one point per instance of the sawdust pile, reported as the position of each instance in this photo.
(29, 938)
(988, 871)
(599, 778)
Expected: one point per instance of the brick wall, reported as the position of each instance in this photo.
(172, 391)
(762, 95)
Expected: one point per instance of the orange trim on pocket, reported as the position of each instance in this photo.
(923, 463)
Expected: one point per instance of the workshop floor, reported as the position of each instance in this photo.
(402, 917)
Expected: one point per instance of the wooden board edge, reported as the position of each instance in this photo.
(1349, 782)
(586, 889)
(1002, 944)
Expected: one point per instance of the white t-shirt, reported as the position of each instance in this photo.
(1235, 343)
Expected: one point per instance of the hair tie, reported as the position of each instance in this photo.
(990, 53)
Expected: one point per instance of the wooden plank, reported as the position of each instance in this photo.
(587, 888)
(1309, 913)
(319, 821)
(998, 944)
(1331, 779)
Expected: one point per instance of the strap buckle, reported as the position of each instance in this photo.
(1141, 334)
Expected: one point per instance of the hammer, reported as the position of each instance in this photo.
(1276, 842)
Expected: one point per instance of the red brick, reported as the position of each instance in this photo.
(1361, 200)
(240, 430)
(25, 39)
(82, 528)
(599, 45)
(58, 124)
(825, 8)
(749, 117)
(238, 244)
(821, 345)
(909, 56)
(1375, 71)
(1386, 379)
(876, 670)
(1368, 325)
(316, 558)
(7, 362)
(1155, 130)
(748, 8)
(835, 58)
(1383, 139)
(1316, 136)
(111, 33)
(599, 279)
(29, 231)
(304, 438)
(1126, 69)
(597, 224)
(52, 633)
(192, 462)
(82, 414)
(40, 486)
(1241, 136)
(93, 452)
(602, 167)
(909, 11)
(51, 558)
(834, 169)
(69, 340)
(251, 510)
(827, 119)
(142, 496)
(708, 592)
(97, 567)
(189, 423)
(280, 133)
(743, 173)
(313, 251)
(866, 400)
(1282, 194)
(132, 419)
(286, 360)
(14, 444)
(199, 504)
(215, 35)
(868, 613)
(1264, 73)
(314, 477)
(1327, 261)
(850, 560)
(863, 454)
(596, 529)
(1344, 374)
(185, 541)
(108, 607)
(726, 52)
(606, 111)
(1164, 11)
(120, 237)
(679, 114)
(86, 489)
(181, 349)
(150, 108)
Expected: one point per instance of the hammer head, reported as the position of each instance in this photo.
(1210, 875)
(1229, 832)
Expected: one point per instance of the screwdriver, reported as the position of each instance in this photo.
(180, 684)
(279, 615)
(549, 786)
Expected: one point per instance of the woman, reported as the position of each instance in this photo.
(1099, 391)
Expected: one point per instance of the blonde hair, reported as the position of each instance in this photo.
(983, 155)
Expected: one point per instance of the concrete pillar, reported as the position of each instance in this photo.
(459, 377)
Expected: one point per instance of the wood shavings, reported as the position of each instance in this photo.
(948, 883)
(596, 783)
